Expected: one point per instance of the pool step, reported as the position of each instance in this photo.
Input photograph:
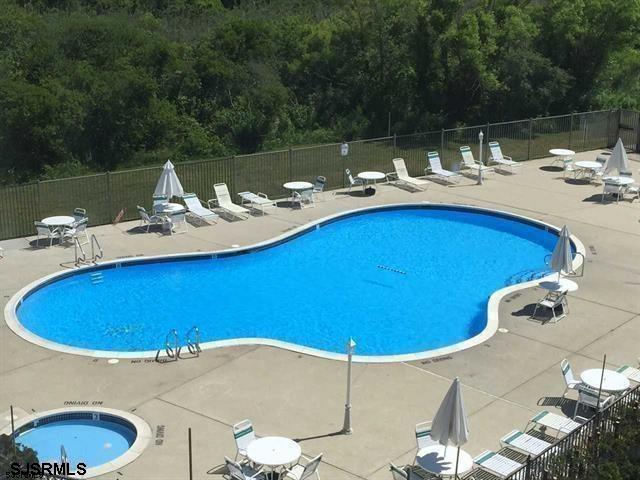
(527, 276)
(96, 278)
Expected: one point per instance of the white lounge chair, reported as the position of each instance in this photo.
(146, 219)
(401, 176)
(303, 472)
(469, 162)
(501, 160)
(553, 301)
(304, 198)
(497, 464)
(256, 202)
(435, 166)
(196, 207)
(46, 232)
(224, 202)
(546, 420)
(243, 472)
(243, 434)
(569, 380)
(589, 397)
(525, 443)
(353, 181)
(630, 372)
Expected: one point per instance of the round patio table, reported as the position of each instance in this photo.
(611, 381)
(370, 177)
(619, 180)
(169, 208)
(441, 460)
(273, 452)
(561, 154)
(563, 285)
(298, 186)
(59, 221)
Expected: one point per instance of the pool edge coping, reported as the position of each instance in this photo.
(144, 435)
(11, 318)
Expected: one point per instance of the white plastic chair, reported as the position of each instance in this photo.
(159, 200)
(423, 438)
(304, 198)
(243, 472)
(303, 472)
(318, 186)
(243, 434)
(610, 188)
(569, 380)
(147, 220)
(78, 229)
(79, 214)
(45, 231)
(589, 398)
(178, 222)
(435, 166)
(353, 181)
(552, 301)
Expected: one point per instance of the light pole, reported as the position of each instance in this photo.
(480, 137)
(346, 428)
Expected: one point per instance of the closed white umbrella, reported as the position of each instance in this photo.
(562, 257)
(168, 183)
(450, 425)
(618, 161)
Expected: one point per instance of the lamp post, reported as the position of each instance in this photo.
(480, 137)
(346, 428)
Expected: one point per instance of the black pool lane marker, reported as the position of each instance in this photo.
(391, 269)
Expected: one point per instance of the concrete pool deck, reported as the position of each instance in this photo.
(506, 379)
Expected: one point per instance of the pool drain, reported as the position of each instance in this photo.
(391, 269)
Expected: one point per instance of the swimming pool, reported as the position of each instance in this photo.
(101, 439)
(401, 280)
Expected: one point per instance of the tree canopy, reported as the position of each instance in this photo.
(94, 85)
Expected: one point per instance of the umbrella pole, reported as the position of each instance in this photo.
(604, 362)
(455, 476)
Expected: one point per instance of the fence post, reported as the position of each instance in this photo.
(109, 201)
(395, 146)
(442, 142)
(529, 142)
(290, 156)
(618, 126)
(234, 159)
(570, 128)
(637, 127)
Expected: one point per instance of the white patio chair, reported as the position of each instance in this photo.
(304, 198)
(79, 214)
(552, 301)
(630, 372)
(257, 202)
(569, 380)
(401, 176)
(589, 398)
(319, 185)
(497, 464)
(196, 208)
(568, 168)
(501, 160)
(353, 181)
(243, 472)
(633, 189)
(302, 472)
(159, 200)
(470, 163)
(243, 434)
(610, 188)
(146, 219)
(423, 438)
(399, 473)
(435, 166)
(78, 230)
(46, 232)
(224, 202)
(178, 222)
(525, 443)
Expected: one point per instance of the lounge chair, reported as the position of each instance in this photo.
(45, 231)
(569, 380)
(525, 443)
(587, 396)
(401, 176)
(243, 434)
(497, 464)
(146, 219)
(256, 202)
(435, 166)
(304, 198)
(400, 473)
(552, 301)
(502, 161)
(196, 208)
(303, 472)
(243, 472)
(353, 181)
(553, 421)
(469, 162)
(630, 372)
(224, 202)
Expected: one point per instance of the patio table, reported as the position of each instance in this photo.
(297, 187)
(611, 381)
(169, 208)
(59, 221)
(562, 285)
(560, 154)
(273, 452)
(367, 177)
(441, 460)
(589, 166)
(622, 181)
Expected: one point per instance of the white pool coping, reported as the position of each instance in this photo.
(10, 311)
(142, 441)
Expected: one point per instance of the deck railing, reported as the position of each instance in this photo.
(105, 195)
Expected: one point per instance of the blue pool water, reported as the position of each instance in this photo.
(92, 442)
(396, 280)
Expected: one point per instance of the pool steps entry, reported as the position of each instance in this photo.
(81, 255)
(173, 349)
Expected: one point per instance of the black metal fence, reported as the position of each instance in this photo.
(577, 455)
(105, 195)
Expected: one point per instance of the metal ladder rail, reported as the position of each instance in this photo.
(94, 244)
(547, 259)
(193, 345)
(78, 246)
(171, 349)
